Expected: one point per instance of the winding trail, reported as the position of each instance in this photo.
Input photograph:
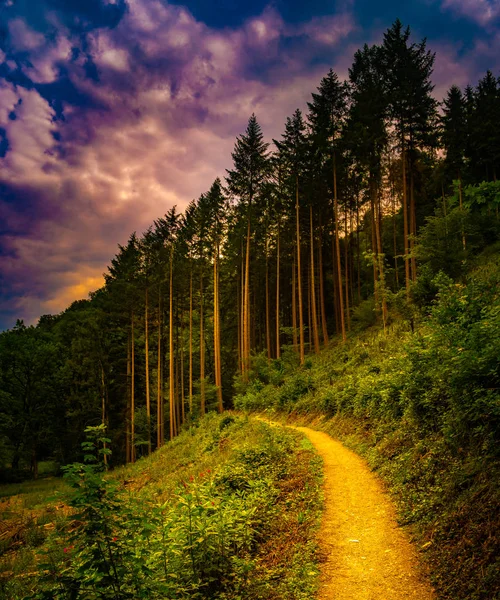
(366, 554)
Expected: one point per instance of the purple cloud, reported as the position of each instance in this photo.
(113, 127)
(482, 12)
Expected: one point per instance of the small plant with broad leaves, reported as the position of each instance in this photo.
(97, 559)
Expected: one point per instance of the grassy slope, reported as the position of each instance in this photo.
(421, 407)
(260, 485)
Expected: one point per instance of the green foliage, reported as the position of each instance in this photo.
(423, 406)
(206, 538)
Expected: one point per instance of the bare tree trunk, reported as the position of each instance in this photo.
(413, 225)
(322, 288)
(146, 352)
(313, 288)
(405, 223)
(380, 258)
(129, 402)
(171, 375)
(191, 340)
(346, 270)
(268, 322)
(246, 307)
(217, 342)
(335, 287)
(358, 253)
(299, 275)
(461, 204)
(160, 438)
(183, 399)
(294, 304)
(202, 350)
(278, 344)
(394, 233)
(132, 393)
(373, 213)
(103, 409)
(337, 249)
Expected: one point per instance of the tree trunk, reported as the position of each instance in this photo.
(202, 350)
(132, 394)
(278, 344)
(373, 214)
(183, 399)
(299, 275)
(191, 340)
(294, 304)
(217, 341)
(246, 307)
(380, 257)
(103, 409)
(160, 438)
(346, 270)
(337, 249)
(313, 288)
(413, 224)
(129, 400)
(405, 223)
(461, 204)
(268, 323)
(171, 375)
(358, 253)
(394, 233)
(322, 288)
(146, 352)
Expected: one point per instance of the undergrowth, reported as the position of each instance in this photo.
(423, 407)
(227, 510)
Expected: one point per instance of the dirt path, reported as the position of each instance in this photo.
(366, 555)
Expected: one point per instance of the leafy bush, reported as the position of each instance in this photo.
(203, 541)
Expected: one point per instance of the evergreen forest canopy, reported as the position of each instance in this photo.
(343, 222)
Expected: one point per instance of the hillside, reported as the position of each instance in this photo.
(420, 402)
(227, 510)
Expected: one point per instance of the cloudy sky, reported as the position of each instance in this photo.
(112, 111)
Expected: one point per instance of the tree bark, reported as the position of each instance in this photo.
(337, 248)
(146, 352)
(171, 375)
(132, 393)
(322, 288)
(278, 344)
(299, 275)
(202, 350)
(313, 288)
(191, 339)
(405, 222)
(217, 341)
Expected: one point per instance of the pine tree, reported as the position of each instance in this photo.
(407, 69)
(245, 182)
(366, 136)
(327, 114)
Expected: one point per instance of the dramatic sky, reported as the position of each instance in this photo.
(112, 111)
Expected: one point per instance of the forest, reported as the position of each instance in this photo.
(343, 222)
(348, 271)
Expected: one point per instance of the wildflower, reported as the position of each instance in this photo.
(115, 539)
(191, 478)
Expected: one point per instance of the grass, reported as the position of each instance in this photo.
(237, 465)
